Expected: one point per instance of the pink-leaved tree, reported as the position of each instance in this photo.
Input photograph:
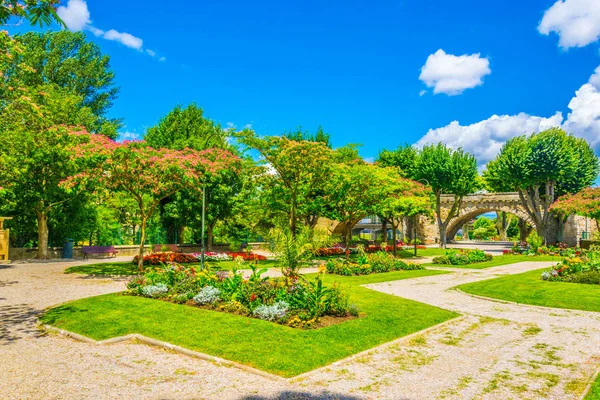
(146, 174)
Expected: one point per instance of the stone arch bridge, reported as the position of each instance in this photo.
(472, 206)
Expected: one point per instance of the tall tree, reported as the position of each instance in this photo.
(446, 171)
(146, 174)
(295, 173)
(503, 221)
(68, 60)
(542, 167)
(404, 199)
(34, 152)
(404, 158)
(353, 191)
(300, 135)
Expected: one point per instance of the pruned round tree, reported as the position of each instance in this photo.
(542, 167)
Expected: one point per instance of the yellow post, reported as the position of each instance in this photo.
(4, 239)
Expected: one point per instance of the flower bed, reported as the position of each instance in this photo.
(582, 269)
(559, 250)
(369, 264)
(462, 257)
(185, 258)
(295, 302)
(372, 248)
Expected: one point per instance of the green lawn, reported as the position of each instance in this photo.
(528, 288)
(268, 346)
(128, 268)
(594, 393)
(500, 260)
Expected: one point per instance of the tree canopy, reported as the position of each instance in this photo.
(542, 167)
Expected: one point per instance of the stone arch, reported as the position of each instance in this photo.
(467, 215)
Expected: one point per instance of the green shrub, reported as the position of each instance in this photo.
(535, 241)
(462, 257)
(591, 278)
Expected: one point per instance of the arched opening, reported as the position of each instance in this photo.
(469, 215)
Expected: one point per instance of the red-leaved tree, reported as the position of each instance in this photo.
(586, 203)
(146, 174)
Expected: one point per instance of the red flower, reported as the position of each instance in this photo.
(252, 297)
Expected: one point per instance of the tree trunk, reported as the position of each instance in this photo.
(42, 219)
(384, 230)
(523, 230)
(347, 237)
(502, 223)
(180, 232)
(466, 231)
(442, 236)
(394, 237)
(141, 249)
(209, 236)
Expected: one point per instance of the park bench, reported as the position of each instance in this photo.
(161, 248)
(87, 250)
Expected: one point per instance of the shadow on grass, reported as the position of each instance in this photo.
(294, 395)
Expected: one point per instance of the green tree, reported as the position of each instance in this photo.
(300, 135)
(404, 158)
(37, 12)
(35, 152)
(404, 199)
(146, 174)
(68, 60)
(542, 167)
(484, 228)
(446, 171)
(503, 221)
(295, 173)
(354, 191)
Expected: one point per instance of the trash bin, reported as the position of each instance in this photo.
(68, 249)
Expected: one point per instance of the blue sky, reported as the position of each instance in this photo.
(354, 67)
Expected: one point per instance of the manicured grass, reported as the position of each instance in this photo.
(528, 288)
(268, 346)
(128, 268)
(594, 393)
(500, 260)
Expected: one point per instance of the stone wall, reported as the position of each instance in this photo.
(19, 253)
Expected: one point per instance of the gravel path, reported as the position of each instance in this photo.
(497, 351)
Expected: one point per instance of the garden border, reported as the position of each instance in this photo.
(166, 346)
(395, 341)
(588, 388)
(227, 363)
(520, 304)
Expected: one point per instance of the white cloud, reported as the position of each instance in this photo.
(128, 136)
(484, 139)
(75, 14)
(162, 59)
(576, 22)
(124, 38)
(230, 125)
(452, 75)
(584, 118)
(422, 93)
(248, 126)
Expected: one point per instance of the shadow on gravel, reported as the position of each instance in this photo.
(18, 321)
(288, 394)
(7, 283)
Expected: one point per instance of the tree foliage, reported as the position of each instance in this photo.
(146, 174)
(68, 60)
(446, 171)
(37, 12)
(542, 167)
(404, 158)
(585, 202)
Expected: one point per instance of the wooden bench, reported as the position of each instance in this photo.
(161, 248)
(87, 250)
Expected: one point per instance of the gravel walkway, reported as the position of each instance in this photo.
(498, 351)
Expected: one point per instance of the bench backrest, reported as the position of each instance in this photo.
(98, 249)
